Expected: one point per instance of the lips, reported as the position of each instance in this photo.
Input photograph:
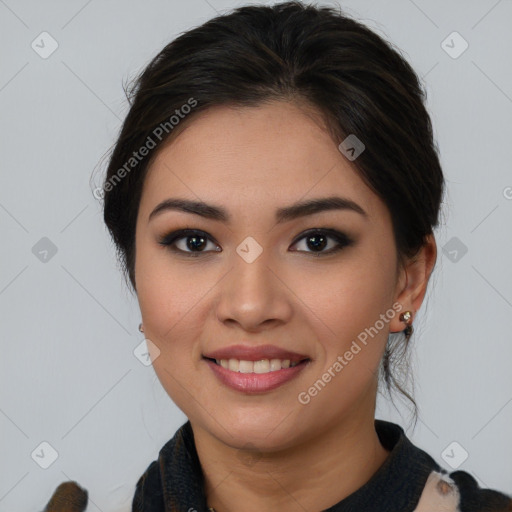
(255, 353)
(256, 383)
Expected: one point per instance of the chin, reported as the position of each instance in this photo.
(268, 430)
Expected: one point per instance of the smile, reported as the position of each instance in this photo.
(262, 366)
(253, 377)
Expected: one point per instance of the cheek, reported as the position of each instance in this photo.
(170, 299)
(351, 339)
(171, 305)
(167, 290)
(348, 304)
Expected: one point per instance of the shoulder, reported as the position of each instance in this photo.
(171, 469)
(433, 488)
(460, 492)
(148, 490)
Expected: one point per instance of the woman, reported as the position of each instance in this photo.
(272, 196)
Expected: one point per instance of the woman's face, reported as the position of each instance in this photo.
(256, 280)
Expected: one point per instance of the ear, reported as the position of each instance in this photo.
(412, 282)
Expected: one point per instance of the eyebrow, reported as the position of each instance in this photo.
(218, 213)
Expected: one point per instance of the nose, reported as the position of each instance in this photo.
(254, 295)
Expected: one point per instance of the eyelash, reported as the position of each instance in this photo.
(341, 238)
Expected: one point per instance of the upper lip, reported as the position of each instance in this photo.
(255, 353)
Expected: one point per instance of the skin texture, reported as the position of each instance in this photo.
(268, 451)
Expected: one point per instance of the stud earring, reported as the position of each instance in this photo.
(141, 329)
(407, 318)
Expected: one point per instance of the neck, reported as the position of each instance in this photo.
(313, 476)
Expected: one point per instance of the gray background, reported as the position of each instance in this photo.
(68, 373)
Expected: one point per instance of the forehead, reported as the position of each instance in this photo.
(248, 157)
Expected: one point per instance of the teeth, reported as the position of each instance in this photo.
(246, 367)
(262, 366)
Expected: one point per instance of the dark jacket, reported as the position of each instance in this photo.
(409, 480)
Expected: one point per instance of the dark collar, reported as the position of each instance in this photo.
(175, 482)
(399, 482)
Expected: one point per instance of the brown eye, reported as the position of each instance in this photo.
(191, 242)
(316, 240)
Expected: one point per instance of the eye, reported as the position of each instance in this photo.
(194, 242)
(317, 239)
(191, 242)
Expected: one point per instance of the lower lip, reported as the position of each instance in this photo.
(255, 382)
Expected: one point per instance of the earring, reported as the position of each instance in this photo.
(407, 318)
(141, 329)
